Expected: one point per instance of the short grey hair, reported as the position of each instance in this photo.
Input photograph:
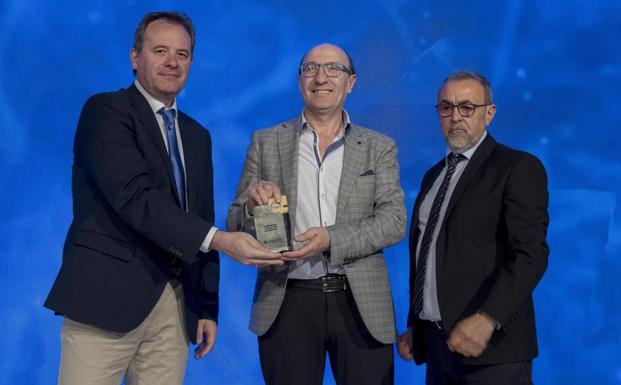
(482, 80)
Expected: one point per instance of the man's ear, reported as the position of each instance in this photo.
(350, 83)
(489, 114)
(133, 58)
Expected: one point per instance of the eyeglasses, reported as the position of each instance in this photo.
(332, 69)
(466, 109)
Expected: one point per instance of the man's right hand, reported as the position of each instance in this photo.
(244, 249)
(260, 193)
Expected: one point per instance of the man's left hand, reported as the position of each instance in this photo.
(404, 345)
(471, 335)
(317, 241)
(205, 337)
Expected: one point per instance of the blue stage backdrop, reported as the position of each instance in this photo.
(556, 71)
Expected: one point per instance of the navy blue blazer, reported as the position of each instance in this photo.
(127, 223)
(491, 250)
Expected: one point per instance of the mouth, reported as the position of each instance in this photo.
(322, 92)
(456, 130)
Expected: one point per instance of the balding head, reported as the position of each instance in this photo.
(345, 58)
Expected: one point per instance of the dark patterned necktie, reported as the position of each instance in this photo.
(175, 156)
(421, 264)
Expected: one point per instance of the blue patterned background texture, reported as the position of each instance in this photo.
(556, 71)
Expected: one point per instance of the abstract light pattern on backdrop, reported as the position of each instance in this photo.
(556, 71)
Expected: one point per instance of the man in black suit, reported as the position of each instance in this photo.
(478, 249)
(140, 271)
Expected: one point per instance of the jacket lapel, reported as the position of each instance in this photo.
(479, 157)
(288, 141)
(147, 118)
(355, 148)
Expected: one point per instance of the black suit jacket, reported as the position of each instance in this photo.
(127, 223)
(491, 250)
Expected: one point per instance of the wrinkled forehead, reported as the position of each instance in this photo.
(457, 91)
(325, 53)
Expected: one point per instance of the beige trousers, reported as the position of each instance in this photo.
(152, 354)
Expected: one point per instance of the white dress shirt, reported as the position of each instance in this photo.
(317, 195)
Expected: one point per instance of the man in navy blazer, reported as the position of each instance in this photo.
(140, 270)
(477, 248)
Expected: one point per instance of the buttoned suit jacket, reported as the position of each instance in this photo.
(491, 250)
(370, 215)
(127, 222)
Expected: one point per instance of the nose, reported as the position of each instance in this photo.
(171, 60)
(455, 115)
(320, 77)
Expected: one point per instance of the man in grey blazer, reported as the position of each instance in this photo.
(346, 205)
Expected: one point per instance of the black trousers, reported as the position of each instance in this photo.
(312, 323)
(446, 368)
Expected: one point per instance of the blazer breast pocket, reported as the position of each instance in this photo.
(363, 192)
(365, 179)
(102, 243)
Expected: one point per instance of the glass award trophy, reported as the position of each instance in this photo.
(273, 226)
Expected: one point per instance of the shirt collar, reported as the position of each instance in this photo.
(469, 152)
(155, 104)
(344, 131)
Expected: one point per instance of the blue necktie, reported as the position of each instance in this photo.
(175, 156)
(434, 213)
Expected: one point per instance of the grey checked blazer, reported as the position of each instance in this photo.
(370, 216)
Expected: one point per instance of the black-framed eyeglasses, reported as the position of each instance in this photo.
(465, 109)
(332, 69)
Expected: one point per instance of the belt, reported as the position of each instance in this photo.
(328, 283)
